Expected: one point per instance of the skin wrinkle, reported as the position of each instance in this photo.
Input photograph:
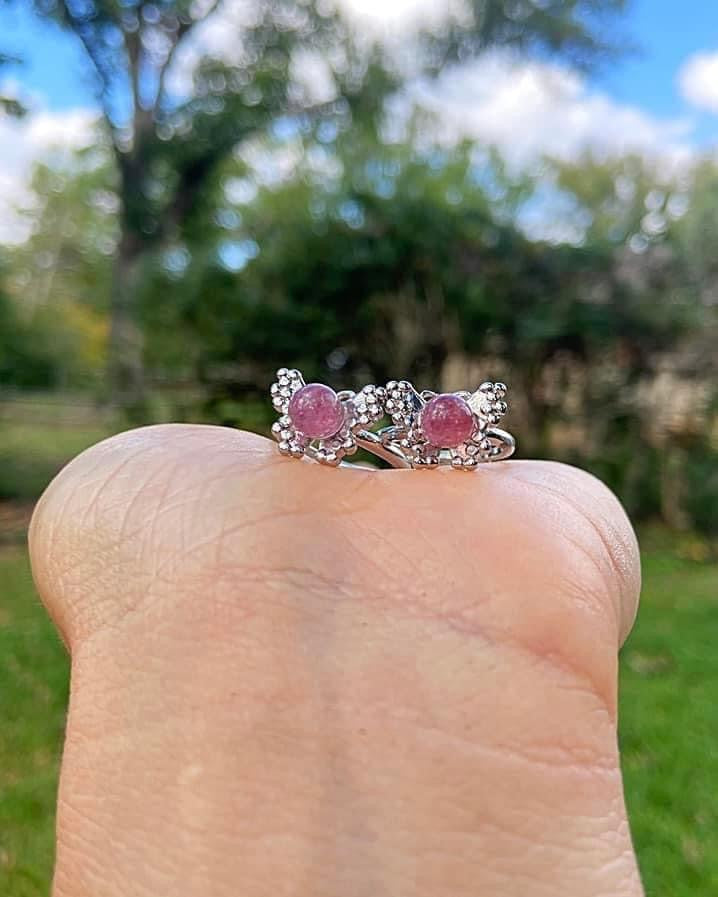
(125, 535)
(377, 537)
(578, 547)
(220, 539)
(597, 567)
(75, 841)
(603, 758)
(607, 533)
(107, 481)
(466, 624)
(91, 509)
(588, 682)
(367, 557)
(520, 882)
(504, 746)
(332, 587)
(563, 758)
(161, 506)
(456, 620)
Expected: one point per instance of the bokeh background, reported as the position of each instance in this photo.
(195, 193)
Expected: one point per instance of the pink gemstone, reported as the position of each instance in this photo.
(316, 411)
(447, 421)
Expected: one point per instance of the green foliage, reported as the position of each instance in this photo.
(401, 261)
(581, 29)
(33, 349)
(74, 231)
(701, 502)
(12, 106)
(374, 260)
(39, 350)
(53, 326)
(631, 472)
(21, 362)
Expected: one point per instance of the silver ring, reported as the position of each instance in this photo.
(427, 430)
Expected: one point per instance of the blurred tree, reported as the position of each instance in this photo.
(62, 273)
(695, 236)
(402, 260)
(167, 143)
(74, 230)
(36, 348)
(657, 432)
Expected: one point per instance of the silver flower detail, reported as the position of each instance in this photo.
(316, 421)
(427, 425)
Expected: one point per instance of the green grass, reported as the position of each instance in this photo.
(33, 693)
(669, 727)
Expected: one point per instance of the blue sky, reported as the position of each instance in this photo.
(666, 31)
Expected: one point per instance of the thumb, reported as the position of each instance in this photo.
(288, 680)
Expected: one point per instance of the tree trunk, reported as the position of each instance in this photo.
(125, 361)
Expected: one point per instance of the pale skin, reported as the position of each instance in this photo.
(294, 681)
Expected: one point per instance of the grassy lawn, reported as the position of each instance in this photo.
(669, 728)
(33, 692)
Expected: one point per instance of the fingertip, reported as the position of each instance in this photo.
(595, 516)
(80, 532)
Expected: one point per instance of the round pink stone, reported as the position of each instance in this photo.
(316, 411)
(447, 421)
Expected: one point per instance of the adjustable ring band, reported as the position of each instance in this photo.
(503, 446)
(372, 442)
(427, 430)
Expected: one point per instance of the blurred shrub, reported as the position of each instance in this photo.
(634, 478)
(247, 414)
(49, 346)
(26, 356)
(701, 489)
(31, 454)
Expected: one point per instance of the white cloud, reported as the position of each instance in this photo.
(529, 109)
(391, 22)
(698, 80)
(40, 135)
(217, 37)
(386, 17)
